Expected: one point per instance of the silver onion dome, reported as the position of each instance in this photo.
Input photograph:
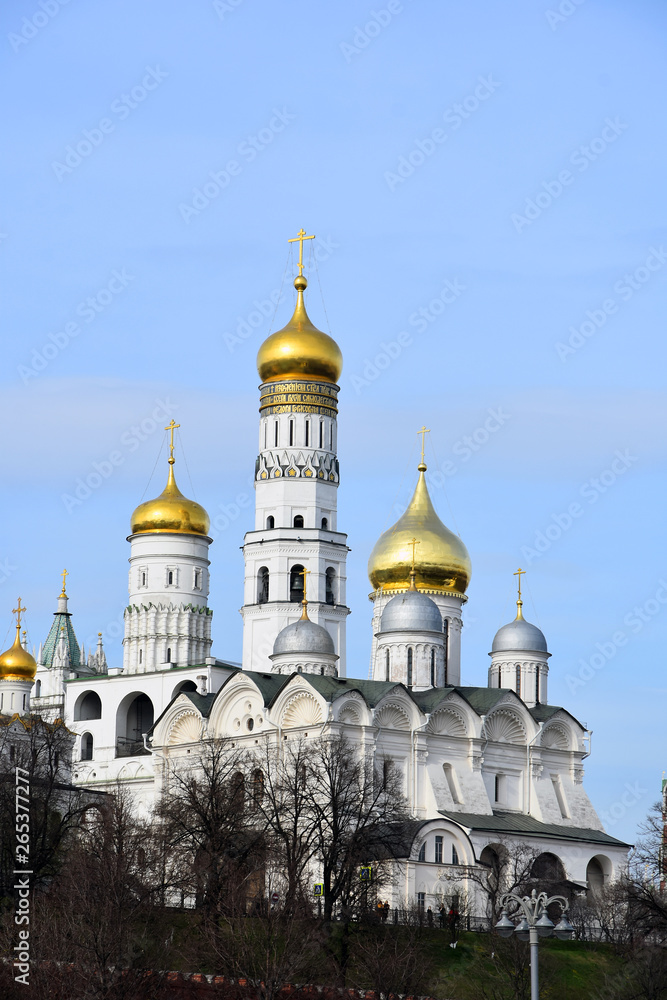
(303, 636)
(411, 612)
(519, 635)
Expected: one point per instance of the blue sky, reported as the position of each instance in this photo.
(486, 182)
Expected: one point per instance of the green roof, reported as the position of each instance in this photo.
(517, 823)
(62, 625)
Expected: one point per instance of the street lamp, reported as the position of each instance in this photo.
(534, 924)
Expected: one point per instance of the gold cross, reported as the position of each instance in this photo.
(171, 427)
(299, 239)
(304, 573)
(518, 573)
(65, 574)
(18, 612)
(413, 542)
(424, 431)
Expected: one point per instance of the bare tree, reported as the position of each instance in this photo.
(51, 808)
(211, 829)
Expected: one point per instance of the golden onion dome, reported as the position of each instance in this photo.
(441, 560)
(299, 350)
(16, 663)
(171, 511)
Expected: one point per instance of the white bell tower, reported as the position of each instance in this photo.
(296, 485)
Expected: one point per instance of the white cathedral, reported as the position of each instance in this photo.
(481, 767)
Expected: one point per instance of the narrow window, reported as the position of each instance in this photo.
(330, 586)
(291, 432)
(296, 583)
(86, 747)
(257, 788)
(169, 654)
(170, 577)
(387, 769)
(266, 427)
(325, 523)
(331, 437)
(24, 697)
(143, 579)
(537, 685)
(410, 668)
(321, 432)
(421, 901)
(298, 521)
(270, 521)
(432, 668)
(445, 629)
(438, 850)
(422, 852)
(386, 665)
(197, 579)
(500, 677)
(275, 432)
(141, 655)
(38, 689)
(455, 856)
(499, 787)
(262, 585)
(518, 679)
(307, 433)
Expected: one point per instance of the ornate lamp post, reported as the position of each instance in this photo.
(534, 924)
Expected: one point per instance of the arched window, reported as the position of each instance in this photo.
(143, 579)
(321, 432)
(409, 668)
(170, 577)
(87, 707)
(330, 590)
(537, 685)
(432, 668)
(296, 583)
(38, 689)
(87, 746)
(141, 655)
(422, 852)
(307, 433)
(275, 432)
(291, 432)
(322, 671)
(518, 679)
(262, 585)
(325, 523)
(387, 663)
(238, 790)
(168, 654)
(257, 788)
(298, 521)
(270, 521)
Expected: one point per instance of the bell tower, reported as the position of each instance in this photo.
(296, 485)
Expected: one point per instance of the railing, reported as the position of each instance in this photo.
(130, 748)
